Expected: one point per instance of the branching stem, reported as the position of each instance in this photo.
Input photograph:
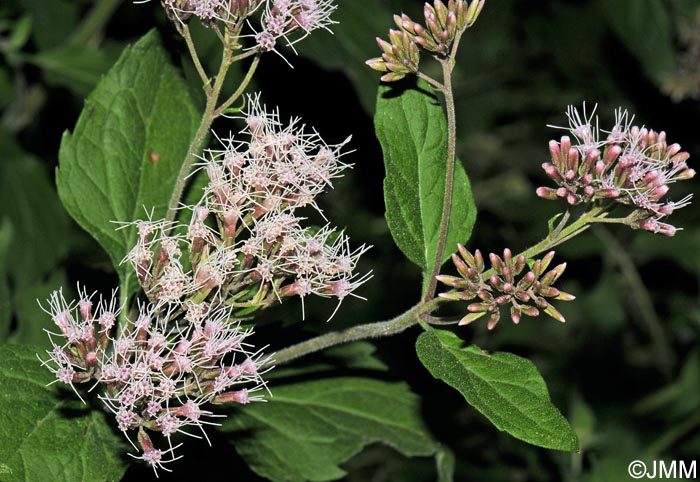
(418, 313)
(211, 112)
(360, 332)
(185, 32)
(241, 88)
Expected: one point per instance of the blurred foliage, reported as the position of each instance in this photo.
(624, 369)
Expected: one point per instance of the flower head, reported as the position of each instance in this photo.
(630, 166)
(161, 369)
(292, 20)
(245, 247)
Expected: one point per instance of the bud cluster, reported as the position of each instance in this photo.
(443, 26)
(632, 166)
(510, 285)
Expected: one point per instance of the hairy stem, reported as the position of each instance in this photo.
(241, 88)
(449, 178)
(185, 32)
(431, 81)
(360, 332)
(198, 141)
(413, 316)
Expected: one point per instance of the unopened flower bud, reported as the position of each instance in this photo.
(240, 396)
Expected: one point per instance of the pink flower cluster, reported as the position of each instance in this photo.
(291, 20)
(245, 248)
(508, 284)
(283, 18)
(632, 166)
(159, 370)
(210, 11)
(245, 245)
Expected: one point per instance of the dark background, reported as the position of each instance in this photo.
(625, 368)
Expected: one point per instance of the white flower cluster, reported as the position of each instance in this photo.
(158, 371)
(245, 242)
(244, 249)
(292, 20)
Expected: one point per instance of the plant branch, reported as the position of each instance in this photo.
(241, 88)
(414, 315)
(431, 81)
(563, 234)
(449, 178)
(201, 134)
(185, 32)
(360, 332)
(245, 55)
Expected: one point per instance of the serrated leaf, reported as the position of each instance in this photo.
(412, 130)
(306, 430)
(105, 170)
(506, 389)
(45, 435)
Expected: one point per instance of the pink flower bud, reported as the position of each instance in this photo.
(240, 396)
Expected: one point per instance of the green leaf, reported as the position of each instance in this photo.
(506, 389)
(45, 435)
(412, 130)
(105, 172)
(644, 26)
(306, 430)
(552, 223)
(347, 51)
(41, 228)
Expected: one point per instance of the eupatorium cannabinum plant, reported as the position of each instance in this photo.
(219, 227)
